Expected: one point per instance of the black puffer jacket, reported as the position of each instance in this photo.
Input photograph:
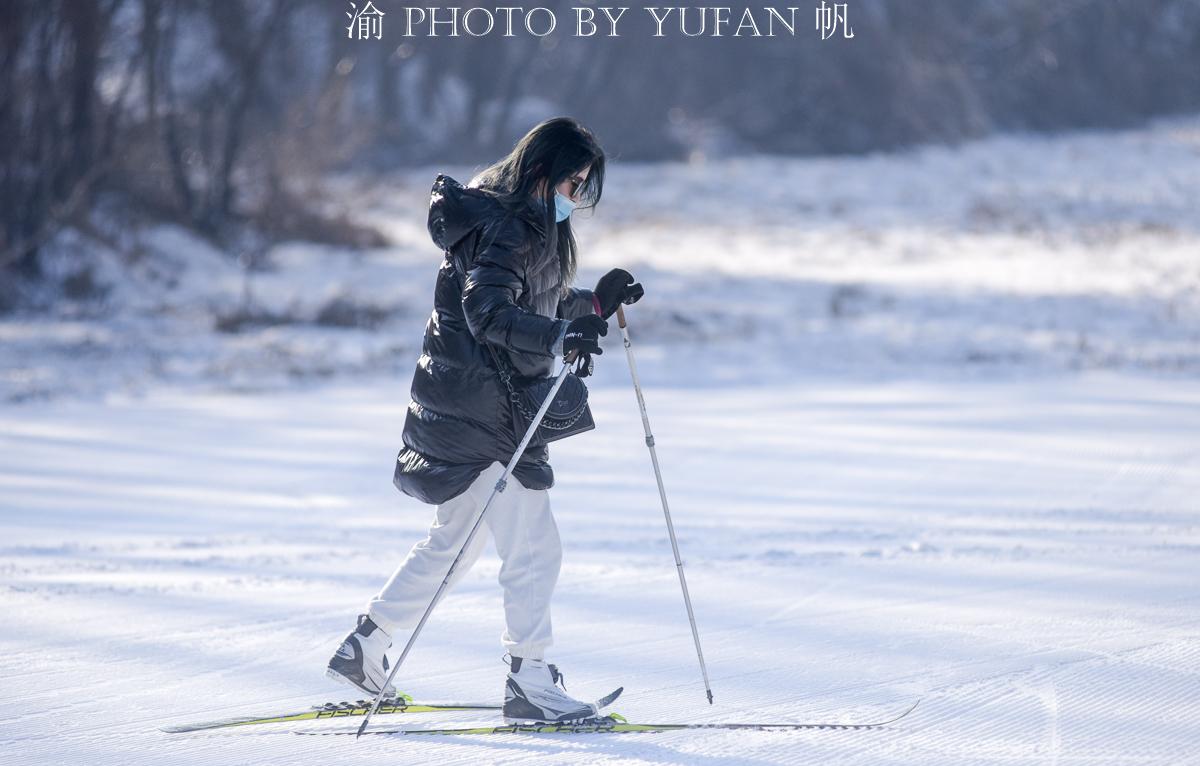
(494, 286)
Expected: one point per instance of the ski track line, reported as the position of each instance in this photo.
(730, 677)
(931, 681)
(711, 636)
(716, 636)
(734, 632)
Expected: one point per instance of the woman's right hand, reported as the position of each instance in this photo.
(614, 288)
(583, 335)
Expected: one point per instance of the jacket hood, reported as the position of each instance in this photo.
(455, 210)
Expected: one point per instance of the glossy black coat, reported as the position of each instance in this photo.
(495, 286)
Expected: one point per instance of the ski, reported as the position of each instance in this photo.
(616, 724)
(398, 704)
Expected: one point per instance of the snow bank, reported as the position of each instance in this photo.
(1010, 255)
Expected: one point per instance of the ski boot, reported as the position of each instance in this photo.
(361, 660)
(532, 693)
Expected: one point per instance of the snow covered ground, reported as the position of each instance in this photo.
(928, 423)
(1022, 557)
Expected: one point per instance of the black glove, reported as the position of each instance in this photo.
(614, 288)
(583, 335)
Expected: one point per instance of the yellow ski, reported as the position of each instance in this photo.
(398, 704)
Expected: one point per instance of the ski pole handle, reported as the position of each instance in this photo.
(620, 316)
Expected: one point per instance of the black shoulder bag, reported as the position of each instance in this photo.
(567, 415)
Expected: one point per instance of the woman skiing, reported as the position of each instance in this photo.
(502, 299)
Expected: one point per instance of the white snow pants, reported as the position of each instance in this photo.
(530, 552)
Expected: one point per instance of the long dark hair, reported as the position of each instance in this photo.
(553, 151)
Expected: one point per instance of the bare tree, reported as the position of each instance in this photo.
(51, 128)
(228, 113)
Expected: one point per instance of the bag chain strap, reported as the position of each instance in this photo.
(513, 396)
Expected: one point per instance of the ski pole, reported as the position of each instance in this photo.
(662, 493)
(501, 483)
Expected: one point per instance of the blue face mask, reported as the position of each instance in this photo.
(562, 207)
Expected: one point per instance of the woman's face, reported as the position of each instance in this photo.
(573, 185)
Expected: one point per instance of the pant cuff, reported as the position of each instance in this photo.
(527, 651)
(387, 625)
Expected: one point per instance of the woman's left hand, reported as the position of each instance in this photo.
(583, 365)
(614, 288)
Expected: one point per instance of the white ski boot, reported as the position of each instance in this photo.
(531, 693)
(361, 660)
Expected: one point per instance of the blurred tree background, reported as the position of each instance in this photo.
(225, 115)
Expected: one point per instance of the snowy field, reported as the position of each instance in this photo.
(928, 423)
(1021, 557)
